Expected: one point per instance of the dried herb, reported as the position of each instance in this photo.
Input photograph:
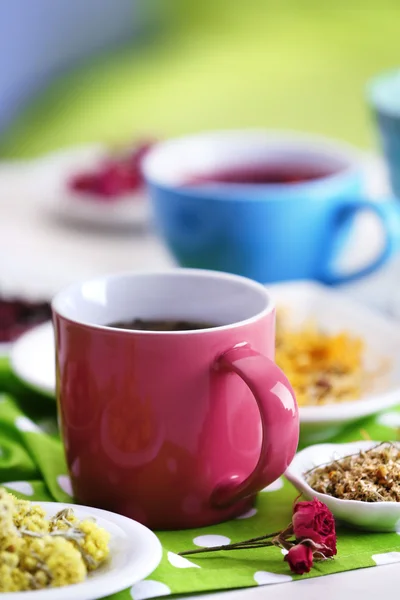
(370, 475)
(324, 367)
(37, 552)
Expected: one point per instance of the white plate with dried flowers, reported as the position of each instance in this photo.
(357, 479)
(378, 378)
(135, 552)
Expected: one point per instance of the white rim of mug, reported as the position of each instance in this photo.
(373, 95)
(196, 273)
(328, 147)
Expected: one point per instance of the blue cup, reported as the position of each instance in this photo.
(384, 97)
(271, 231)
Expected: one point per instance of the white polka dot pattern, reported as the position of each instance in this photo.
(149, 589)
(24, 424)
(274, 486)
(180, 561)
(23, 487)
(387, 558)
(390, 419)
(247, 515)
(65, 484)
(267, 578)
(211, 541)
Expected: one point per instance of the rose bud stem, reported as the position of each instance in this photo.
(244, 544)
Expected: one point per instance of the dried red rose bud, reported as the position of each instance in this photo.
(314, 521)
(300, 559)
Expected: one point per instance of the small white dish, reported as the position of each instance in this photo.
(32, 359)
(334, 311)
(50, 175)
(135, 552)
(371, 516)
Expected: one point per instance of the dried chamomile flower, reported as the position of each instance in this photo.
(370, 475)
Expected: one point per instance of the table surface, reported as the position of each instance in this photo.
(40, 255)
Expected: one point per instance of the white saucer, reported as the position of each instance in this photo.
(50, 175)
(335, 311)
(135, 552)
(32, 359)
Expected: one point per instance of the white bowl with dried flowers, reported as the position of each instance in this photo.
(358, 481)
(341, 357)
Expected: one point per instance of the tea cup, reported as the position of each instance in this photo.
(175, 429)
(269, 206)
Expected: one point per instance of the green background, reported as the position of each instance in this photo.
(293, 64)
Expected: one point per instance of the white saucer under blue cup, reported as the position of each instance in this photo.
(384, 97)
(268, 232)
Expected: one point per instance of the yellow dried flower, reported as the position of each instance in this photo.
(13, 579)
(56, 562)
(9, 536)
(37, 553)
(322, 368)
(94, 544)
(33, 518)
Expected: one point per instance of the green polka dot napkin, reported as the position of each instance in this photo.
(32, 465)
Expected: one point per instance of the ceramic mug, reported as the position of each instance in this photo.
(266, 231)
(384, 98)
(174, 429)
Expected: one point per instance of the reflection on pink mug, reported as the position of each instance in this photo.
(175, 429)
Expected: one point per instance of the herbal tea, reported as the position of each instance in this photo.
(161, 325)
(263, 174)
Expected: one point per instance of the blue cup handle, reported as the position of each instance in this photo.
(388, 212)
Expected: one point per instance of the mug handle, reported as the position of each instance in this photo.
(388, 212)
(279, 420)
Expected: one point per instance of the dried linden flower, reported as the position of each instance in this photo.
(37, 553)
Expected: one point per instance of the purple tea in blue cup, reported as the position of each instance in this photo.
(271, 206)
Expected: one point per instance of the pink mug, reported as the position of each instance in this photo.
(174, 429)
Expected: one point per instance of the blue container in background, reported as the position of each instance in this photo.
(384, 97)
